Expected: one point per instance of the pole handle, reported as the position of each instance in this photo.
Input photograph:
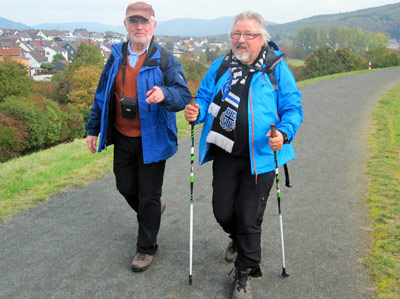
(273, 130)
(192, 101)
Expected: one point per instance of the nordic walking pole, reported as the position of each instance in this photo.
(278, 192)
(192, 102)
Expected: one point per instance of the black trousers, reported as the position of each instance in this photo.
(141, 185)
(238, 205)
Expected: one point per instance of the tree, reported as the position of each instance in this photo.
(194, 71)
(306, 41)
(87, 55)
(57, 58)
(326, 61)
(212, 55)
(169, 45)
(83, 87)
(382, 57)
(14, 79)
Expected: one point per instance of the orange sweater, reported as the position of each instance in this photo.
(128, 127)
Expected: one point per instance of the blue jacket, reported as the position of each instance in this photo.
(265, 107)
(158, 121)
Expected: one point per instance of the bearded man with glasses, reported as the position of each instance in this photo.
(237, 107)
(134, 109)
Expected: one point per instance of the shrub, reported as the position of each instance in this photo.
(33, 124)
(14, 79)
(14, 137)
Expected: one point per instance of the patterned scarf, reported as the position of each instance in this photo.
(225, 105)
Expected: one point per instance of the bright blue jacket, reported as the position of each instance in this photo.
(158, 121)
(265, 107)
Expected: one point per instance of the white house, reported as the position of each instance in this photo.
(394, 44)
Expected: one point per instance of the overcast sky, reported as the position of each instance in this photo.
(111, 12)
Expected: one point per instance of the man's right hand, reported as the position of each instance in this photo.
(191, 112)
(91, 142)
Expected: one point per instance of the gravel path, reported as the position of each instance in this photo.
(80, 244)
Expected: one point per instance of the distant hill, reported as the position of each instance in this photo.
(194, 27)
(89, 26)
(7, 24)
(378, 19)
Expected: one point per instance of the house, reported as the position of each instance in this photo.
(36, 59)
(70, 50)
(393, 44)
(61, 65)
(15, 55)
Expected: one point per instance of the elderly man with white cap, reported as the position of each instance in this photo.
(140, 89)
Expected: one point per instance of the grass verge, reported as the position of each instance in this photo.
(384, 195)
(32, 179)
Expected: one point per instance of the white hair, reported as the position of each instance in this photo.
(251, 15)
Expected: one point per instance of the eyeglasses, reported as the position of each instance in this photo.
(132, 21)
(247, 35)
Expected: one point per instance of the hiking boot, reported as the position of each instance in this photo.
(141, 262)
(242, 289)
(231, 252)
(163, 205)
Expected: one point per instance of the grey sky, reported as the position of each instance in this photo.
(111, 12)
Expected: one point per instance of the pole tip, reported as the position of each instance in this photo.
(190, 280)
(284, 274)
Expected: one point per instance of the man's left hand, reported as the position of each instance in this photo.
(154, 95)
(275, 143)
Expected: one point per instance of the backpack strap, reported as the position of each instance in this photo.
(226, 62)
(162, 61)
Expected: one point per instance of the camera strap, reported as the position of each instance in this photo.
(124, 61)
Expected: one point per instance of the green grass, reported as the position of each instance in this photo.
(384, 195)
(32, 179)
(295, 62)
(328, 77)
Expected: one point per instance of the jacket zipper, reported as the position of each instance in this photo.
(252, 135)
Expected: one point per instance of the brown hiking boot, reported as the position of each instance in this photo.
(163, 205)
(231, 252)
(141, 262)
(242, 289)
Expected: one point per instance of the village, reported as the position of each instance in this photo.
(37, 48)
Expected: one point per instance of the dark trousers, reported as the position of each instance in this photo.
(238, 205)
(141, 186)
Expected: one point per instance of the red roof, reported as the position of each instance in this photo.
(10, 52)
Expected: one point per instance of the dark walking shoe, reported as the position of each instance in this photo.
(242, 289)
(163, 205)
(231, 252)
(141, 262)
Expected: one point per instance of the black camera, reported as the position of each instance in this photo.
(129, 107)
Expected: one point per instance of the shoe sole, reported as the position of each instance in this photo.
(137, 269)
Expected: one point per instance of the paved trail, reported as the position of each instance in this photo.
(81, 243)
